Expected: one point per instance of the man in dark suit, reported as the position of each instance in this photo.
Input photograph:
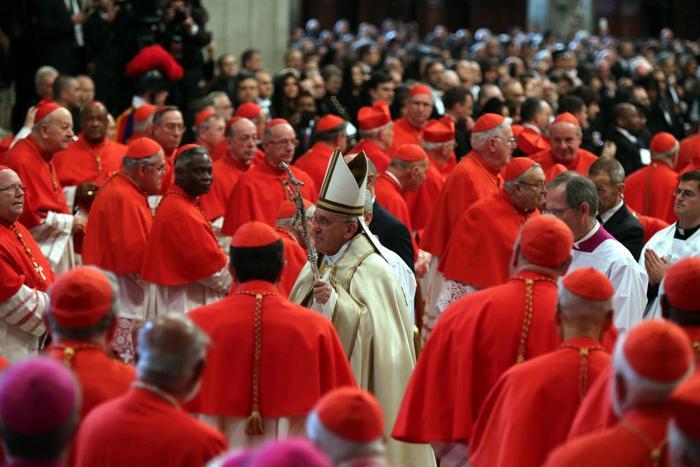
(609, 179)
(628, 122)
(392, 233)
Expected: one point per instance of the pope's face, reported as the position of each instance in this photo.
(329, 231)
(11, 196)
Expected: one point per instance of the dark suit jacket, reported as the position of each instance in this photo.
(627, 230)
(392, 233)
(627, 152)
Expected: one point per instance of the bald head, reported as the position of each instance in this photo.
(170, 354)
(53, 132)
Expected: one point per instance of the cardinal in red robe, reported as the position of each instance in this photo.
(566, 136)
(329, 134)
(265, 347)
(409, 128)
(549, 387)
(376, 133)
(651, 190)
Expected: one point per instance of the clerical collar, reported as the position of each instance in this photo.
(330, 260)
(632, 139)
(605, 217)
(155, 390)
(685, 234)
(393, 177)
(532, 127)
(589, 242)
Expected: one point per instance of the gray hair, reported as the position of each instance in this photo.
(130, 164)
(214, 95)
(666, 155)
(369, 202)
(167, 363)
(511, 183)
(83, 334)
(583, 310)
(45, 70)
(429, 147)
(610, 166)
(478, 140)
(680, 443)
(579, 189)
(374, 132)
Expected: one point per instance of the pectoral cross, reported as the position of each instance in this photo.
(39, 270)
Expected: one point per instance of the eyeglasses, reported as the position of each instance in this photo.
(173, 126)
(556, 212)
(512, 140)
(15, 188)
(538, 185)
(325, 223)
(285, 142)
(684, 193)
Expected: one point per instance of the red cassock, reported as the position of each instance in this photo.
(295, 259)
(374, 152)
(405, 133)
(651, 225)
(315, 162)
(470, 181)
(531, 142)
(44, 192)
(444, 167)
(630, 442)
(470, 259)
(182, 247)
(596, 412)
(580, 163)
(227, 171)
(101, 378)
(83, 161)
(119, 224)
(475, 341)
(302, 357)
(688, 151)
(142, 428)
(16, 266)
(694, 164)
(422, 202)
(168, 177)
(547, 389)
(220, 150)
(259, 193)
(389, 194)
(651, 191)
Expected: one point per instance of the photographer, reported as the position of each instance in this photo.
(183, 35)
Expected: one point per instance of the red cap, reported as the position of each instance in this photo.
(556, 170)
(685, 407)
(203, 115)
(487, 122)
(143, 112)
(420, 89)
(80, 298)
(231, 121)
(351, 413)
(141, 148)
(184, 148)
(663, 142)
(276, 121)
(289, 453)
(567, 117)
(37, 396)
(546, 241)
(439, 131)
(410, 153)
(248, 110)
(288, 208)
(43, 108)
(254, 234)
(154, 57)
(517, 129)
(374, 116)
(589, 283)
(328, 122)
(518, 166)
(4, 167)
(681, 283)
(530, 142)
(658, 350)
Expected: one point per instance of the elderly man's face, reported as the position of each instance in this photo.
(57, 131)
(196, 176)
(280, 144)
(566, 140)
(150, 176)
(242, 145)
(609, 193)
(529, 193)
(11, 196)
(223, 106)
(169, 130)
(329, 231)
(247, 90)
(44, 88)
(94, 121)
(86, 89)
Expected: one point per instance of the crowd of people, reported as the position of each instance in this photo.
(459, 249)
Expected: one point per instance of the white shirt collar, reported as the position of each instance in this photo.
(332, 259)
(532, 127)
(627, 134)
(588, 235)
(611, 212)
(393, 177)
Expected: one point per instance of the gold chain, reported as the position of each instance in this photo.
(584, 352)
(69, 351)
(254, 424)
(655, 452)
(39, 269)
(527, 318)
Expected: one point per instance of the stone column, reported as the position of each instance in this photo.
(561, 16)
(260, 24)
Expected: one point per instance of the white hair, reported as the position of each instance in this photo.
(44, 71)
(337, 448)
(478, 140)
(509, 184)
(640, 389)
(681, 446)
